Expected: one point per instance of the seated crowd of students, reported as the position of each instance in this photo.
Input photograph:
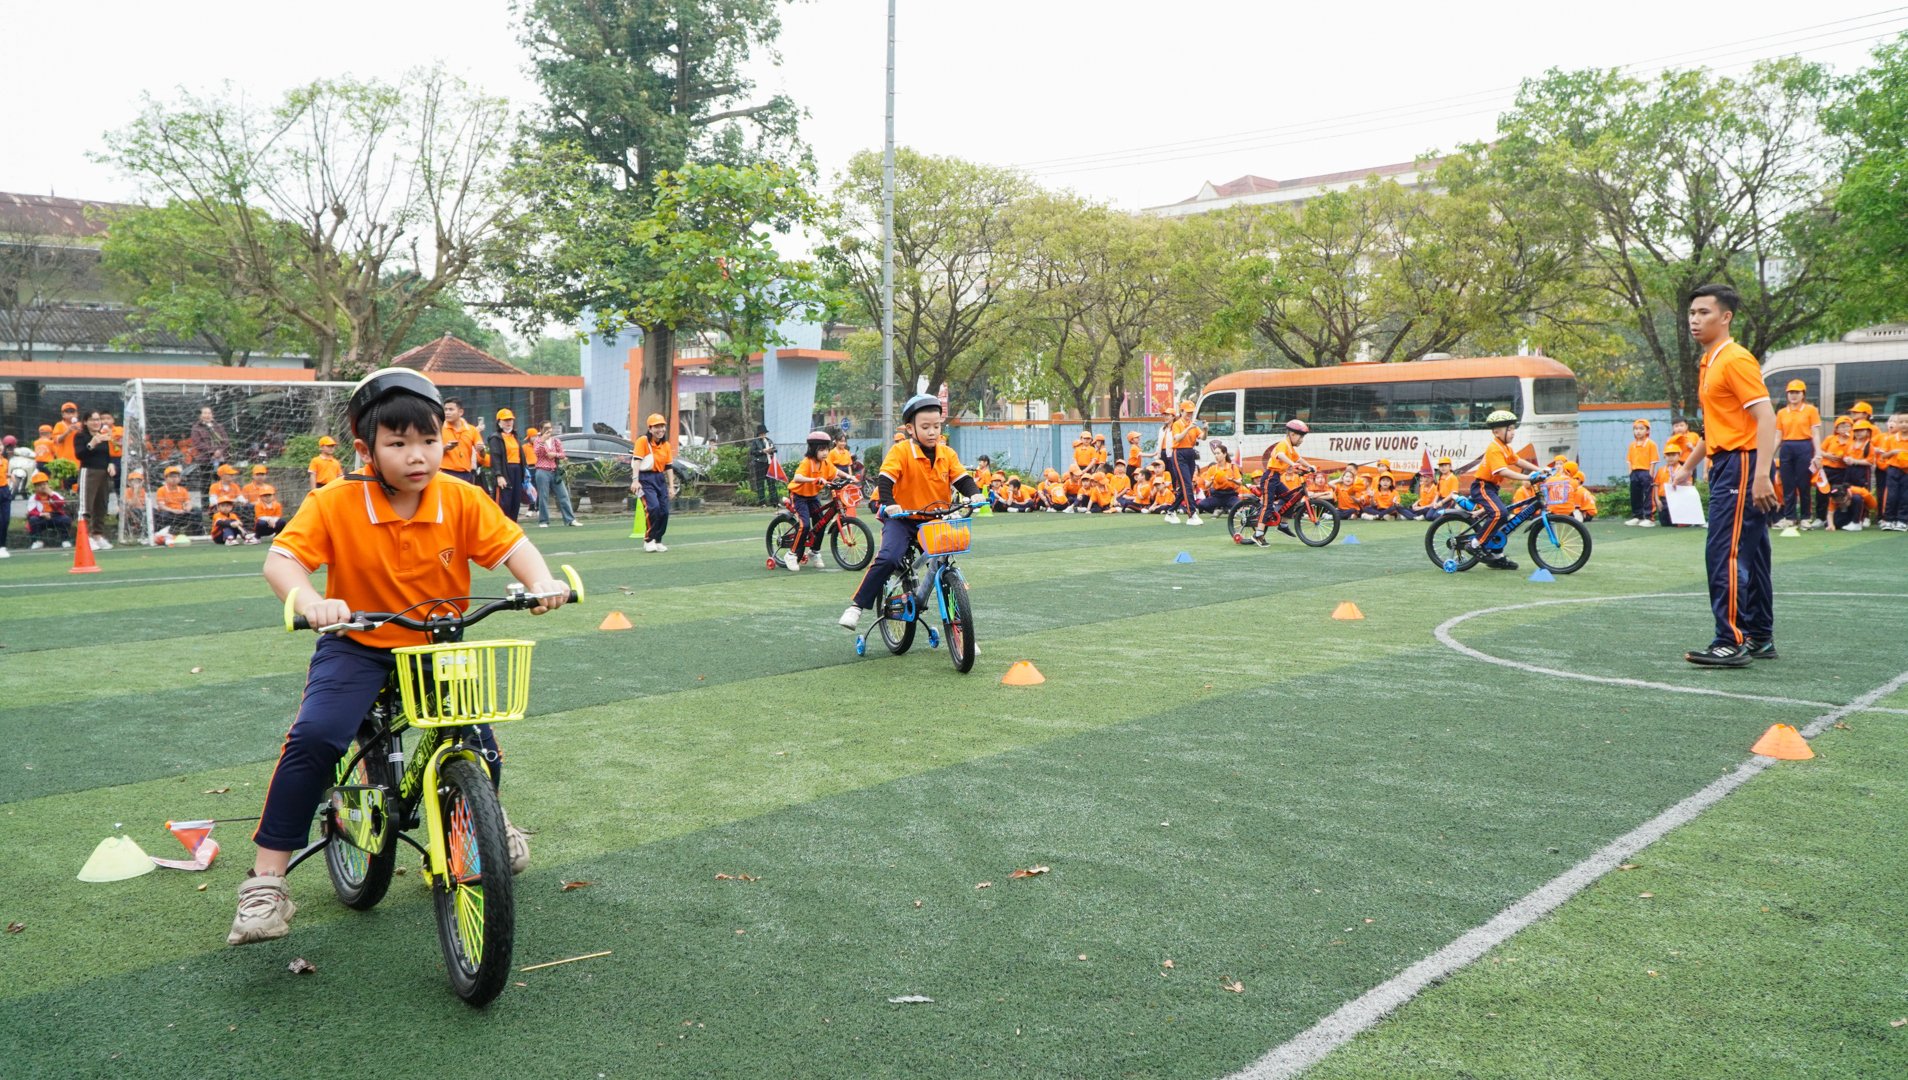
(238, 513)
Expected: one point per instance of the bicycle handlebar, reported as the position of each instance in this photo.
(515, 600)
(934, 510)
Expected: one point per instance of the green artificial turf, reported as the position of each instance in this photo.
(1217, 773)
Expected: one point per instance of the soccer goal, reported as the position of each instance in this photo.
(274, 424)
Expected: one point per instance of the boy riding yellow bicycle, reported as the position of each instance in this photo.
(392, 531)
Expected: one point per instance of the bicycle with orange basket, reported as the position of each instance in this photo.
(928, 584)
(850, 540)
(446, 691)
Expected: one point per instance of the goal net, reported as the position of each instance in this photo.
(274, 424)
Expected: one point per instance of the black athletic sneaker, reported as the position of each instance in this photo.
(1720, 656)
(1499, 562)
(1763, 650)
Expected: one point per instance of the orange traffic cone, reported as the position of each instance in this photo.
(1783, 743)
(1346, 610)
(1023, 673)
(83, 551)
(615, 620)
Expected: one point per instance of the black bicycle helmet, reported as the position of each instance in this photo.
(383, 382)
(916, 404)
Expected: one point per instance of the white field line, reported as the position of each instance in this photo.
(254, 573)
(1444, 635)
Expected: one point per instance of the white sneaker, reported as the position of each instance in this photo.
(576, 523)
(851, 619)
(660, 546)
(1194, 520)
(1646, 524)
(66, 543)
(790, 560)
(265, 910)
(36, 545)
(649, 545)
(105, 544)
(1853, 526)
(1170, 518)
(517, 842)
(5, 554)
(1784, 523)
(543, 524)
(1633, 521)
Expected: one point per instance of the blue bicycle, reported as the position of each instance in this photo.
(929, 574)
(1560, 545)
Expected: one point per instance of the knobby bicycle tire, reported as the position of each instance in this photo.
(853, 536)
(1556, 558)
(959, 624)
(476, 902)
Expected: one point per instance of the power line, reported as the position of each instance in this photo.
(1253, 139)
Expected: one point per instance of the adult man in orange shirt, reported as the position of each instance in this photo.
(1739, 435)
(462, 442)
(1800, 453)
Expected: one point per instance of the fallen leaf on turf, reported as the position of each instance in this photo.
(1651, 974)
(1030, 871)
(572, 886)
(1627, 866)
(196, 670)
(627, 590)
(519, 984)
(201, 888)
(1646, 896)
(985, 885)
(917, 903)
(911, 999)
(1165, 963)
(301, 966)
(1841, 725)
(1903, 1022)
(215, 791)
(1368, 922)
(15, 927)
(734, 877)
(1082, 956)
(399, 871)
(1233, 986)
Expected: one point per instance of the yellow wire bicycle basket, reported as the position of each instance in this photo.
(949, 536)
(464, 682)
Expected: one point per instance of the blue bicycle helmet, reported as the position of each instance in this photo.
(917, 403)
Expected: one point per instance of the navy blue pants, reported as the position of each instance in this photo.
(1895, 498)
(656, 503)
(343, 681)
(1792, 459)
(808, 508)
(1219, 500)
(466, 476)
(1642, 494)
(1493, 506)
(897, 535)
(510, 495)
(1741, 590)
(1184, 464)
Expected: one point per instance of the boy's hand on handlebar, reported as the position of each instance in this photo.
(321, 612)
(551, 595)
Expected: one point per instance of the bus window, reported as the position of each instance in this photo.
(1268, 408)
(1554, 397)
(1779, 381)
(1881, 383)
(1218, 414)
(1471, 400)
(1352, 407)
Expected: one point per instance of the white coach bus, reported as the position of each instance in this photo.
(1866, 365)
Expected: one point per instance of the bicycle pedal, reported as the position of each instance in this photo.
(861, 645)
(934, 639)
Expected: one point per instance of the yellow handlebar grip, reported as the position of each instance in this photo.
(576, 583)
(291, 609)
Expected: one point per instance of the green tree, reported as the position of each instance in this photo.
(1681, 180)
(956, 258)
(711, 242)
(552, 355)
(635, 90)
(178, 273)
(389, 191)
(1872, 197)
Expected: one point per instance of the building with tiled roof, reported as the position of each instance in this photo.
(1252, 190)
(453, 355)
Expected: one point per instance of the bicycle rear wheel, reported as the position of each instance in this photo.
(1444, 542)
(1315, 523)
(1242, 519)
(781, 536)
(1563, 548)
(896, 634)
(361, 877)
(476, 905)
(959, 623)
(852, 544)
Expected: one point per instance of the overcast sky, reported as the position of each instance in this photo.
(1133, 103)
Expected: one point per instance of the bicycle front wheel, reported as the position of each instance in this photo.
(852, 544)
(959, 623)
(1444, 543)
(896, 634)
(1562, 548)
(1242, 519)
(476, 905)
(361, 877)
(1315, 522)
(781, 536)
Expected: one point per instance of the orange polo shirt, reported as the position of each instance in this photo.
(1798, 421)
(1730, 382)
(922, 478)
(63, 436)
(663, 451)
(173, 499)
(810, 475)
(1682, 444)
(224, 489)
(43, 449)
(325, 469)
(269, 508)
(1222, 476)
(1642, 454)
(1499, 457)
(1186, 434)
(378, 561)
(460, 446)
(841, 458)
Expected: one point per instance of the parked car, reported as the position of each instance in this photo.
(588, 447)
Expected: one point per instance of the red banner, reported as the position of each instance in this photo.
(1159, 386)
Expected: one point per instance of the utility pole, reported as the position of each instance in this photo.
(887, 251)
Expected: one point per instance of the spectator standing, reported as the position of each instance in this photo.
(94, 447)
(761, 449)
(506, 457)
(548, 447)
(211, 445)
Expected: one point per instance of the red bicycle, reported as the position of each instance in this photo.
(1311, 518)
(850, 540)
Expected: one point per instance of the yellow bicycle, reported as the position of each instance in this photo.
(449, 692)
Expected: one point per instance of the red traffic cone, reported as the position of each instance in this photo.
(83, 551)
